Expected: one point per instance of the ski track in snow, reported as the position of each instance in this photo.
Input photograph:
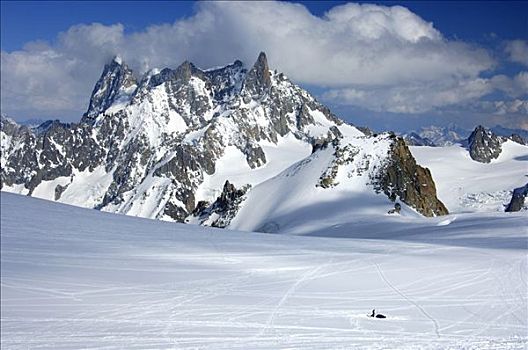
(75, 278)
(304, 277)
(394, 288)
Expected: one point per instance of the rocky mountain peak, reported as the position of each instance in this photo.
(156, 145)
(8, 125)
(117, 60)
(223, 209)
(186, 70)
(258, 79)
(117, 80)
(262, 61)
(484, 145)
(517, 138)
(179, 76)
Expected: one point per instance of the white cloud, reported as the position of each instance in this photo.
(517, 51)
(516, 106)
(420, 97)
(385, 58)
(412, 98)
(513, 87)
(56, 80)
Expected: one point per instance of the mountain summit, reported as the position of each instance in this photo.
(117, 82)
(164, 146)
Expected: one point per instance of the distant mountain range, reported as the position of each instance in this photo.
(453, 134)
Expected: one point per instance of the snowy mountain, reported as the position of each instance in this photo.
(518, 135)
(468, 185)
(414, 139)
(436, 136)
(244, 148)
(453, 134)
(164, 146)
(76, 278)
(484, 145)
(485, 172)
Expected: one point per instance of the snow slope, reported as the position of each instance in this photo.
(79, 278)
(295, 202)
(465, 185)
(233, 166)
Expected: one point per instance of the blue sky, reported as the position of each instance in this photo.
(482, 41)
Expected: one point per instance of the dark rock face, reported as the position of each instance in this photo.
(518, 199)
(405, 179)
(18, 164)
(224, 208)
(116, 79)
(343, 155)
(258, 79)
(59, 190)
(331, 138)
(54, 152)
(365, 130)
(255, 156)
(484, 145)
(396, 210)
(517, 138)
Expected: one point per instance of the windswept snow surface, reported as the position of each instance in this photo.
(78, 278)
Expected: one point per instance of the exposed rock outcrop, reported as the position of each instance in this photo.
(117, 80)
(258, 79)
(396, 209)
(517, 202)
(517, 138)
(484, 145)
(402, 178)
(343, 155)
(223, 209)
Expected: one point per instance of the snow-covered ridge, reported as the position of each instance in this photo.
(166, 144)
(465, 185)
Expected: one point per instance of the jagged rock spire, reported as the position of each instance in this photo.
(484, 145)
(181, 74)
(258, 79)
(518, 198)
(185, 71)
(117, 79)
(403, 178)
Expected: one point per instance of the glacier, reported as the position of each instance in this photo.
(79, 278)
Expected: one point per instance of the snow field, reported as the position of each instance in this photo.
(78, 278)
(465, 185)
